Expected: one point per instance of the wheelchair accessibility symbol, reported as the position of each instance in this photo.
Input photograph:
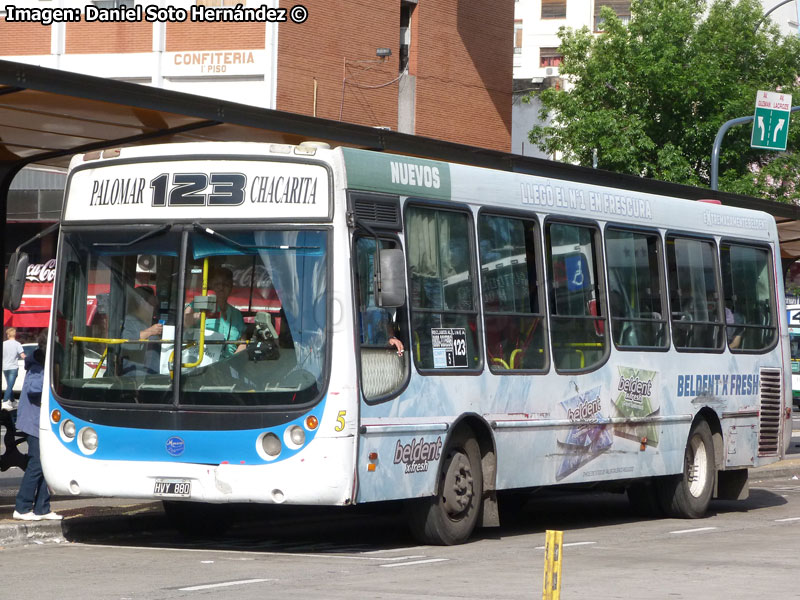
(576, 268)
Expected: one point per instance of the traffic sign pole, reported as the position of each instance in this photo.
(718, 144)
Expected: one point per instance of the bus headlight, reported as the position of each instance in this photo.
(68, 430)
(87, 440)
(295, 436)
(270, 446)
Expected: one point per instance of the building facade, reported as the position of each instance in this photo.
(434, 68)
(536, 56)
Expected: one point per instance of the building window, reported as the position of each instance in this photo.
(622, 8)
(550, 57)
(554, 9)
(518, 37)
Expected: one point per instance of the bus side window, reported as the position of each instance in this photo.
(579, 337)
(697, 316)
(635, 295)
(513, 319)
(383, 369)
(444, 310)
(746, 282)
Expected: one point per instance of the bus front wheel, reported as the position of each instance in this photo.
(198, 519)
(450, 516)
(687, 495)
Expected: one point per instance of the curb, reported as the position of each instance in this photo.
(88, 522)
(20, 534)
(785, 468)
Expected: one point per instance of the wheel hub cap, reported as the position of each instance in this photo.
(458, 485)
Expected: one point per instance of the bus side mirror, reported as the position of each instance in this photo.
(15, 280)
(393, 279)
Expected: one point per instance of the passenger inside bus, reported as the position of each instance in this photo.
(732, 319)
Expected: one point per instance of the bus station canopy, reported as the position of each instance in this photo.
(47, 116)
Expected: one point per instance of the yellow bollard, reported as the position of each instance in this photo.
(552, 565)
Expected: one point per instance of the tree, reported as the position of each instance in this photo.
(650, 96)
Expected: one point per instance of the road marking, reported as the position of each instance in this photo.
(569, 544)
(195, 588)
(694, 530)
(416, 562)
(262, 553)
(786, 520)
(395, 550)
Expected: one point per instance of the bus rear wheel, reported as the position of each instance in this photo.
(450, 516)
(687, 495)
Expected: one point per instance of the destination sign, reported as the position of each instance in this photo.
(198, 189)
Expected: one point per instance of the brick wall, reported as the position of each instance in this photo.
(461, 54)
(464, 71)
(339, 30)
(104, 38)
(17, 39)
(215, 36)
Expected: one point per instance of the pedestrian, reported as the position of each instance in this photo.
(33, 498)
(12, 352)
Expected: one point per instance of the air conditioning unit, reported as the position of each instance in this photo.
(548, 71)
(146, 263)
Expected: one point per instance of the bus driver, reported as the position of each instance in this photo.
(226, 319)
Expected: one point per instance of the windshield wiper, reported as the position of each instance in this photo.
(215, 235)
(149, 234)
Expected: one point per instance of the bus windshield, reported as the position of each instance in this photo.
(251, 305)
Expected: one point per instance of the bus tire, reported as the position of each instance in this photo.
(450, 516)
(686, 496)
(643, 499)
(198, 519)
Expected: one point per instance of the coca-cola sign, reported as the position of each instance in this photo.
(42, 272)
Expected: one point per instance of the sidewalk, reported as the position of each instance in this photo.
(89, 516)
(119, 516)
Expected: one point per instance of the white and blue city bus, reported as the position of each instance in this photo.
(793, 319)
(554, 333)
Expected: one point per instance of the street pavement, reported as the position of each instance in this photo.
(118, 516)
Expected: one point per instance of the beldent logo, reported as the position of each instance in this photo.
(417, 454)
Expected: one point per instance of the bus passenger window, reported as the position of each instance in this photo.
(513, 318)
(747, 285)
(444, 313)
(635, 292)
(577, 312)
(694, 295)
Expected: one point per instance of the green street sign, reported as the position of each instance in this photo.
(771, 120)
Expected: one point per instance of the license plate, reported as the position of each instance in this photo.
(173, 488)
